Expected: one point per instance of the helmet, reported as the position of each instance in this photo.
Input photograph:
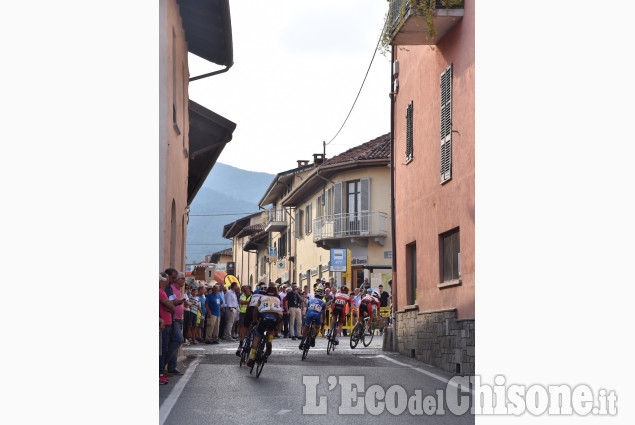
(319, 292)
(344, 289)
(375, 294)
(271, 291)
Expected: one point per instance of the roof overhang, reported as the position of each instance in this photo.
(314, 180)
(255, 242)
(232, 229)
(208, 29)
(209, 132)
(279, 181)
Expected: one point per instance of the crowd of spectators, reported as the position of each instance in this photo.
(195, 313)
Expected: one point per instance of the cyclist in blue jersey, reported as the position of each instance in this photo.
(316, 309)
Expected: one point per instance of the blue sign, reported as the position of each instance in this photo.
(338, 260)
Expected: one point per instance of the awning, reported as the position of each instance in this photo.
(209, 132)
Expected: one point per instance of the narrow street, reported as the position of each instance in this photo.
(214, 389)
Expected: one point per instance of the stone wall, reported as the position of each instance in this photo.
(437, 338)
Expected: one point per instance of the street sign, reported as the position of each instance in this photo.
(281, 264)
(273, 254)
(338, 260)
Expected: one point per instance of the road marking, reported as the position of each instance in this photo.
(194, 349)
(425, 372)
(283, 411)
(170, 401)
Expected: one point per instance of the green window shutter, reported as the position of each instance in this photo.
(297, 224)
(446, 124)
(409, 132)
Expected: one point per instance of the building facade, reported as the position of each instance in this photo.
(191, 137)
(433, 172)
(240, 231)
(345, 203)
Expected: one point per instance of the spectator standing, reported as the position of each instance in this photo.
(231, 306)
(213, 307)
(166, 307)
(176, 336)
(222, 289)
(202, 294)
(384, 300)
(285, 312)
(195, 309)
(236, 312)
(293, 302)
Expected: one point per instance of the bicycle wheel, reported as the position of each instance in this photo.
(367, 339)
(244, 356)
(355, 336)
(260, 357)
(307, 343)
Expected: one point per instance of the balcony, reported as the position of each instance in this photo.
(358, 228)
(275, 219)
(409, 27)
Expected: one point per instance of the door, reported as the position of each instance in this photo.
(358, 278)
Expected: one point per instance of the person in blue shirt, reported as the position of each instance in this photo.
(315, 310)
(212, 307)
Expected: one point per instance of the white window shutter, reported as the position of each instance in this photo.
(446, 124)
(339, 222)
(365, 206)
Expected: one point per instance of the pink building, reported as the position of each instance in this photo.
(433, 172)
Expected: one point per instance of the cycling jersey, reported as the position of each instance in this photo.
(314, 310)
(340, 305)
(254, 300)
(269, 304)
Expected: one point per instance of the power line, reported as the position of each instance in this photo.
(361, 87)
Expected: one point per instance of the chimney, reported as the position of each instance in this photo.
(318, 158)
(302, 162)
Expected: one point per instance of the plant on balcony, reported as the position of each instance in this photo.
(398, 9)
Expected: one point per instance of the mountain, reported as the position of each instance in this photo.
(227, 194)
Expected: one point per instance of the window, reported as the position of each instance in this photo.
(446, 124)
(298, 224)
(282, 246)
(411, 272)
(319, 206)
(409, 149)
(308, 223)
(262, 265)
(450, 254)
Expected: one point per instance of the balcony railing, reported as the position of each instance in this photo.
(364, 224)
(409, 27)
(275, 219)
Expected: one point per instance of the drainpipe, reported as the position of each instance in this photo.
(392, 202)
(323, 178)
(221, 71)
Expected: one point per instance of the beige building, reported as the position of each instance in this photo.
(342, 202)
(240, 231)
(278, 226)
(191, 137)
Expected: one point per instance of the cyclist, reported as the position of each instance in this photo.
(340, 308)
(249, 314)
(267, 314)
(315, 310)
(366, 306)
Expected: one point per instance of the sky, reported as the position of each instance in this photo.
(298, 66)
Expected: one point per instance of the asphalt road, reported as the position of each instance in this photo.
(215, 390)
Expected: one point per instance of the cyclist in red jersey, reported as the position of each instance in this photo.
(340, 305)
(366, 306)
